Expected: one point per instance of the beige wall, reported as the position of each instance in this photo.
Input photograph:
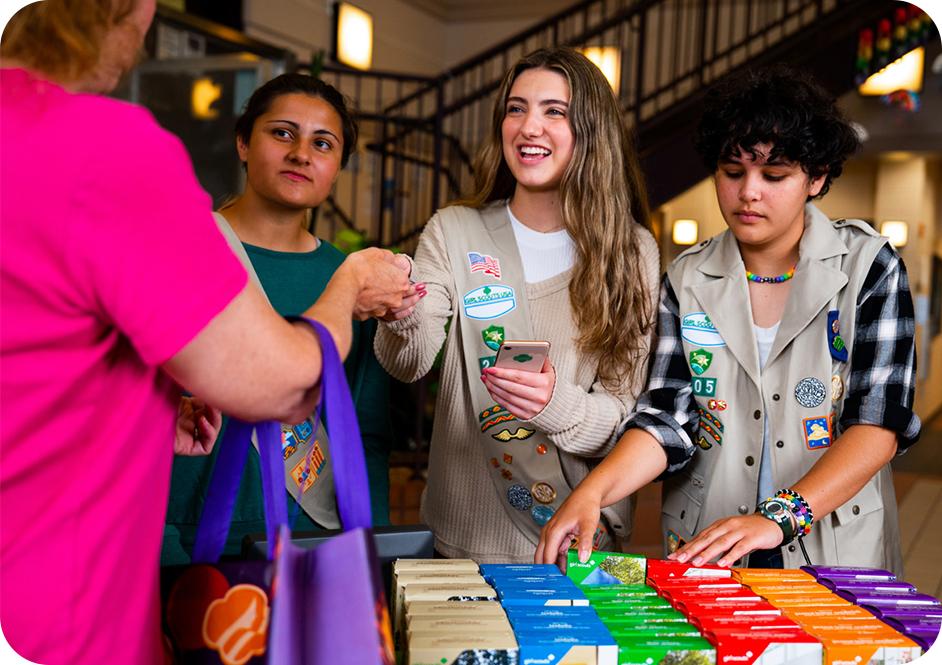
(406, 39)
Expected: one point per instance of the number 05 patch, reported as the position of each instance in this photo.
(703, 387)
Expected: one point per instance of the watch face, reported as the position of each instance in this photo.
(774, 507)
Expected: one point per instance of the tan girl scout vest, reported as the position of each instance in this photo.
(802, 388)
(309, 478)
(491, 307)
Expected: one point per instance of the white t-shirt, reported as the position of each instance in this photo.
(544, 255)
(764, 339)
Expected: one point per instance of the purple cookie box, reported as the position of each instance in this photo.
(888, 599)
(919, 612)
(924, 638)
(904, 625)
(848, 572)
(838, 584)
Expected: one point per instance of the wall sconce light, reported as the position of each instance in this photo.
(203, 95)
(353, 36)
(684, 231)
(902, 74)
(608, 59)
(897, 231)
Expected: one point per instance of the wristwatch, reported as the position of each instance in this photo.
(778, 512)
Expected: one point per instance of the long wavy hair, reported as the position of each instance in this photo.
(62, 38)
(604, 205)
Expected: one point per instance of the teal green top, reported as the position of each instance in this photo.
(292, 281)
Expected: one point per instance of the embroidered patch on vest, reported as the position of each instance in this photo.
(698, 329)
(493, 337)
(521, 434)
(489, 302)
(717, 404)
(703, 387)
(703, 443)
(674, 542)
(817, 432)
(836, 345)
(541, 514)
(487, 361)
(810, 392)
(493, 415)
(519, 497)
(543, 492)
(837, 388)
(318, 462)
(484, 263)
(700, 361)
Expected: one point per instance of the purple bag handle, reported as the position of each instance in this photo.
(346, 451)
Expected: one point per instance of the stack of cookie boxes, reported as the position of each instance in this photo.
(741, 625)
(645, 627)
(551, 617)
(849, 635)
(444, 612)
(896, 603)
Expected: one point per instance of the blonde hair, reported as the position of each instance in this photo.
(62, 38)
(604, 205)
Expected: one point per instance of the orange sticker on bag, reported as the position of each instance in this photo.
(236, 625)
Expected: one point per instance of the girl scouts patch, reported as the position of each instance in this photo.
(698, 329)
(700, 361)
(817, 432)
(835, 342)
(493, 415)
(810, 392)
(519, 497)
(541, 514)
(493, 337)
(489, 302)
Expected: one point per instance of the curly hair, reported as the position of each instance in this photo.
(604, 207)
(780, 107)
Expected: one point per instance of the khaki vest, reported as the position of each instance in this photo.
(801, 390)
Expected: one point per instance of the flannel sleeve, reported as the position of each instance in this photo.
(882, 379)
(666, 409)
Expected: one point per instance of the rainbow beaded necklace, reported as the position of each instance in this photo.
(778, 279)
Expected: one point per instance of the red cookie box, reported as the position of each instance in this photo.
(741, 608)
(746, 647)
(727, 624)
(747, 599)
(680, 597)
(663, 569)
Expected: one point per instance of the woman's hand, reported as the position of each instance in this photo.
(382, 280)
(524, 394)
(419, 291)
(197, 427)
(576, 519)
(730, 539)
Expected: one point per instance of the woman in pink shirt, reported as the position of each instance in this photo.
(117, 288)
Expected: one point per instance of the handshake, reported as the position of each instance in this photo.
(381, 280)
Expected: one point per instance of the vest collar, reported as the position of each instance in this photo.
(816, 282)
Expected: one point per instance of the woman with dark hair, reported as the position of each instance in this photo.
(293, 138)
(553, 245)
(108, 308)
(785, 357)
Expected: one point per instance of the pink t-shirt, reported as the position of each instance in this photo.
(110, 263)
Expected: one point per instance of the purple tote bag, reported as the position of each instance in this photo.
(328, 604)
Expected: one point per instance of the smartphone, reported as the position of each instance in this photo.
(527, 355)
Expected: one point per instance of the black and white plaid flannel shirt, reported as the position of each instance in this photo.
(879, 391)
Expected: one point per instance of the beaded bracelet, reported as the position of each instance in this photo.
(800, 509)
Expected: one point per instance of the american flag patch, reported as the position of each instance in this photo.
(484, 263)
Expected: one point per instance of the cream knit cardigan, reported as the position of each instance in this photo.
(460, 503)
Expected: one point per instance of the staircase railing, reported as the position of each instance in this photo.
(420, 139)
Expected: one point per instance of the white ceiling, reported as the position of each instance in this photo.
(491, 10)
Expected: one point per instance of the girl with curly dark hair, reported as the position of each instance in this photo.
(785, 357)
